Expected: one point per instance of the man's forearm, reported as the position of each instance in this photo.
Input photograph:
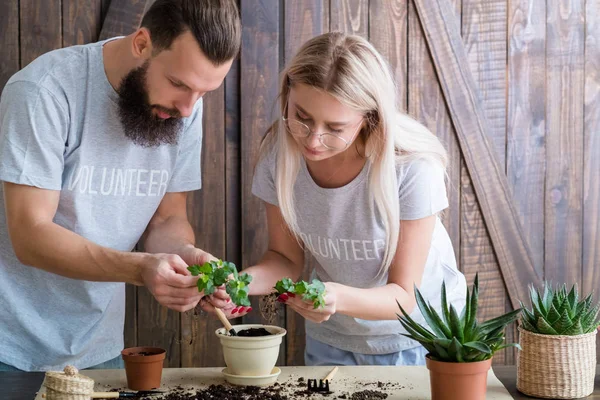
(55, 249)
(168, 236)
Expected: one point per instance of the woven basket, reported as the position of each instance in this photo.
(556, 366)
(68, 385)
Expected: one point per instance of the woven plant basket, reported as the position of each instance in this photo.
(68, 385)
(556, 367)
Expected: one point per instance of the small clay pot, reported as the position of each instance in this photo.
(143, 367)
(465, 381)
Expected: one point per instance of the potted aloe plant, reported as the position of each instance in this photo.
(460, 349)
(558, 341)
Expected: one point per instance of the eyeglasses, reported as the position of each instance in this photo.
(327, 139)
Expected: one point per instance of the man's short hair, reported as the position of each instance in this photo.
(215, 24)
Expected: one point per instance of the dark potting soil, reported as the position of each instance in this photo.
(143, 353)
(275, 392)
(254, 332)
(222, 392)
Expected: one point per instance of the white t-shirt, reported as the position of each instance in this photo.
(348, 240)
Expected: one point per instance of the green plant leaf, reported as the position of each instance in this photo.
(473, 308)
(194, 269)
(553, 315)
(442, 352)
(547, 299)
(544, 328)
(574, 329)
(445, 311)
(455, 325)
(301, 287)
(414, 333)
(455, 350)
(589, 318)
(573, 297)
(525, 324)
(517, 345)
(500, 321)
(209, 288)
(479, 346)
(431, 316)
(563, 323)
(207, 268)
(284, 285)
(419, 328)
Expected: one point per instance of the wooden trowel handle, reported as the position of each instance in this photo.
(331, 374)
(105, 395)
(224, 321)
(98, 395)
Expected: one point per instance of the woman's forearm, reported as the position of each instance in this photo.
(270, 269)
(375, 303)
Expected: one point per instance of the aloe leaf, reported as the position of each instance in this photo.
(589, 318)
(573, 296)
(455, 349)
(455, 325)
(414, 334)
(431, 317)
(528, 326)
(502, 320)
(553, 315)
(526, 313)
(544, 328)
(418, 327)
(479, 346)
(445, 312)
(535, 302)
(464, 314)
(547, 298)
(563, 323)
(574, 329)
(517, 345)
(441, 351)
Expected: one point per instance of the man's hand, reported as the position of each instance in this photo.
(193, 255)
(170, 282)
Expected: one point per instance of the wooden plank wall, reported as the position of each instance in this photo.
(537, 68)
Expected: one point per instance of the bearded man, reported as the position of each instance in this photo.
(99, 145)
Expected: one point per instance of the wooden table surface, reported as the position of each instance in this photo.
(24, 385)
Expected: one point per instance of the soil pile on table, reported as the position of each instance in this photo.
(278, 391)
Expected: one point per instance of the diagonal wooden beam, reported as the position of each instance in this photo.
(123, 17)
(442, 32)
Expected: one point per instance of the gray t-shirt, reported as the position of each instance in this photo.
(59, 130)
(347, 241)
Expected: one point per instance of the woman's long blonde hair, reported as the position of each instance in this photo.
(350, 69)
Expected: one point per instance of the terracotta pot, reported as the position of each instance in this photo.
(143, 367)
(465, 381)
(251, 356)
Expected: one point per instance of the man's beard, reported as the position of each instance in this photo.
(140, 124)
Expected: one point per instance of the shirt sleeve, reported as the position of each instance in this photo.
(34, 126)
(422, 190)
(187, 174)
(263, 182)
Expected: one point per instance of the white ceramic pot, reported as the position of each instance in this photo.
(251, 356)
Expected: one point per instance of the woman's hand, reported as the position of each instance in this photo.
(306, 308)
(220, 299)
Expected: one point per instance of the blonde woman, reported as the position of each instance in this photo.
(349, 179)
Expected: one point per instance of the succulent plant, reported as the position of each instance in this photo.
(558, 312)
(454, 338)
